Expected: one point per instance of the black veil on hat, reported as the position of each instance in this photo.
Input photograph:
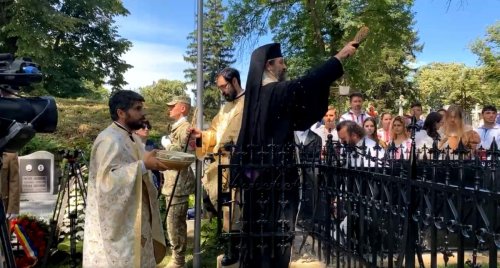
(252, 90)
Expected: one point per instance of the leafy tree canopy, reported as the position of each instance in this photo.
(75, 42)
(163, 91)
(488, 51)
(311, 31)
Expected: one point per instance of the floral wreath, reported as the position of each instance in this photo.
(32, 234)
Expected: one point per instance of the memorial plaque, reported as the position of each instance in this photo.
(36, 172)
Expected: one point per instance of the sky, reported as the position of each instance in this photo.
(158, 30)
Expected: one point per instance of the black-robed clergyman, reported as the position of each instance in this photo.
(273, 109)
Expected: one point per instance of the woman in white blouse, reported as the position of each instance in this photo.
(400, 137)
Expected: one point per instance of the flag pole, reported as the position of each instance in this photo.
(199, 125)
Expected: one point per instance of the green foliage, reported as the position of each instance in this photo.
(446, 83)
(76, 42)
(312, 31)
(40, 143)
(217, 54)
(163, 91)
(488, 50)
(209, 239)
(435, 83)
(80, 121)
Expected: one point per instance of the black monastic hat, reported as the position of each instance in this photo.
(273, 51)
(252, 90)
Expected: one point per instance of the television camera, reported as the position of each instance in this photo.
(22, 117)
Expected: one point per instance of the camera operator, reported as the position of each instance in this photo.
(20, 119)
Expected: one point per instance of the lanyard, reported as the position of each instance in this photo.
(355, 119)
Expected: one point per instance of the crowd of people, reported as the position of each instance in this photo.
(446, 127)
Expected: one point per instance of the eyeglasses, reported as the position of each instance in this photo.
(221, 87)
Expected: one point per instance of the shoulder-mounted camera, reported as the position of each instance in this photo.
(22, 117)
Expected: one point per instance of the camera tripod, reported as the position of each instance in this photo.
(72, 175)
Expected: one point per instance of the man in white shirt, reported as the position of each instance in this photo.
(356, 113)
(352, 134)
(489, 130)
(323, 130)
(416, 110)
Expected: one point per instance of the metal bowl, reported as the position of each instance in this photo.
(175, 160)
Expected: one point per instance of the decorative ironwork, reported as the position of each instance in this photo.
(357, 206)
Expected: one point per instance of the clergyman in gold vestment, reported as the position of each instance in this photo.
(225, 128)
(122, 223)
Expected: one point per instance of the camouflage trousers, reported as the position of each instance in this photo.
(177, 231)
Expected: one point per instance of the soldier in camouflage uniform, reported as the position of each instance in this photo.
(176, 219)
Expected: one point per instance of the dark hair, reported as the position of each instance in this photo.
(430, 123)
(124, 100)
(229, 73)
(442, 110)
(352, 128)
(355, 94)
(374, 135)
(416, 104)
(147, 124)
(489, 108)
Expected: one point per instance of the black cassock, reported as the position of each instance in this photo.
(270, 198)
(277, 109)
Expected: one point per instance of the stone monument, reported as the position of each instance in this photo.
(400, 103)
(476, 116)
(38, 185)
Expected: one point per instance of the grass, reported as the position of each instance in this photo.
(209, 248)
(80, 121)
(209, 243)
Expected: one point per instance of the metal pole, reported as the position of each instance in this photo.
(199, 125)
(412, 231)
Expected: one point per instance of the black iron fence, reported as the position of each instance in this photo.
(362, 206)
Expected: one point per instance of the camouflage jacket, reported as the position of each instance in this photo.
(186, 183)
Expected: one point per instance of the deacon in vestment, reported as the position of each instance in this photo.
(273, 109)
(225, 128)
(122, 223)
